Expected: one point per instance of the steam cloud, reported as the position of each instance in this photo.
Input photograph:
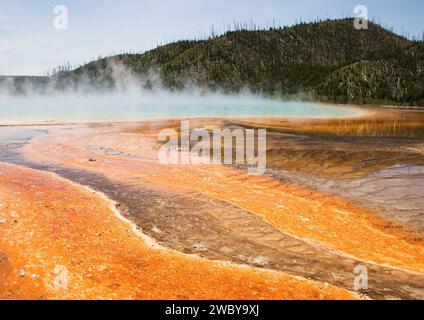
(131, 98)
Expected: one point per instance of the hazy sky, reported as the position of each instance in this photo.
(29, 43)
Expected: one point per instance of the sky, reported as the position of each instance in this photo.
(31, 43)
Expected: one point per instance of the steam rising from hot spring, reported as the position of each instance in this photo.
(129, 100)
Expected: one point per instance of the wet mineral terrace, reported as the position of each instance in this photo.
(61, 241)
(328, 203)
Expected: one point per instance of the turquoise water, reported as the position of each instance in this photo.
(116, 107)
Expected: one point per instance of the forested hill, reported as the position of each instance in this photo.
(329, 61)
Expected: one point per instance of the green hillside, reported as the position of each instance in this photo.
(329, 61)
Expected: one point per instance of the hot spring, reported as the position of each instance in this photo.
(68, 107)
